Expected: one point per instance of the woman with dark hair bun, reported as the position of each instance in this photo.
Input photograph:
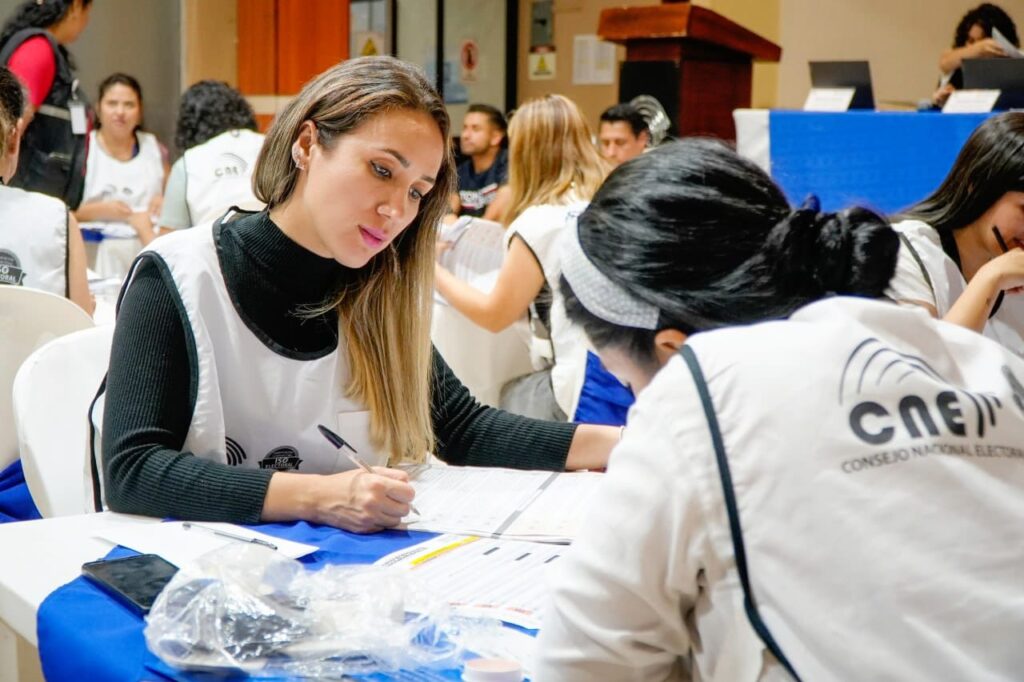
(33, 44)
(219, 144)
(962, 257)
(778, 472)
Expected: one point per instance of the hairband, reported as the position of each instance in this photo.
(598, 294)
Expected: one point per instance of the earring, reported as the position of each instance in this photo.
(295, 158)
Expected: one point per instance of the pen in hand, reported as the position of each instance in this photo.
(340, 443)
(225, 534)
(1002, 245)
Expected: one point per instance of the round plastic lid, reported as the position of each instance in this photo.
(492, 670)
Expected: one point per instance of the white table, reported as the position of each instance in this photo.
(37, 558)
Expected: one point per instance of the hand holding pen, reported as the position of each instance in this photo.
(342, 445)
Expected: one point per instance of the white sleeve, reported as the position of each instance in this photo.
(622, 595)
(909, 283)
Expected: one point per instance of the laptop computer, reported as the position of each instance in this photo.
(999, 73)
(855, 75)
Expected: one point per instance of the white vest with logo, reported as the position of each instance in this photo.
(135, 181)
(33, 241)
(219, 175)
(876, 458)
(254, 406)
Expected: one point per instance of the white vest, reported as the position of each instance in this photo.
(877, 462)
(876, 459)
(945, 284)
(218, 175)
(33, 241)
(542, 228)
(255, 407)
(135, 181)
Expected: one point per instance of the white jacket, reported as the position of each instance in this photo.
(878, 546)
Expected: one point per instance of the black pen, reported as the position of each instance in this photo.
(1002, 245)
(225, 534)
(340, 443)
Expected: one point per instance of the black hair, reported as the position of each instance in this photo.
(627, 113)
(990, 164)
(705, 236)
(36, 14)
(118, 79)
(988, 16)
(209, 108)
(12, 97)
(495, 116)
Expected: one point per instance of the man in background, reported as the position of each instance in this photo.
(486, 168)
(623, 133)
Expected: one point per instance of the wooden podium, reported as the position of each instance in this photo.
(694, 61)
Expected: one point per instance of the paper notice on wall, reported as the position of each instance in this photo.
(593, 61)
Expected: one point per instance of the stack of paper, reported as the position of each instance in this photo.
(541, 506)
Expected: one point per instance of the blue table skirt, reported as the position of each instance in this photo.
(883, 160)
(85, 635)
(15, 502)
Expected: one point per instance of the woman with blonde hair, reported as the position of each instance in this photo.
(554, 169)
(236, 339)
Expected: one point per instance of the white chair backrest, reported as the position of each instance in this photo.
(29, 318)
(52, 394)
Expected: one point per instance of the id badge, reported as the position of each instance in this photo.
(79, 126)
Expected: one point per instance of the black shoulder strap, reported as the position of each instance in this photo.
(749, 604)
(94, 462)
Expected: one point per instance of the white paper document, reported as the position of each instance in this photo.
(179, 545)
(483, 577)
(541, 506)
(1009, 48)
(476, 254)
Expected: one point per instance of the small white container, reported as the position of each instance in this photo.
(492, 670)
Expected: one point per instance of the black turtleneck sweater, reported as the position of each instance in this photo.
(150, 393)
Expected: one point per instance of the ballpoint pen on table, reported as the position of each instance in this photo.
(1002, 245)
(340, 443)
(234, 536)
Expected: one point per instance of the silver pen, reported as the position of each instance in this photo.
(340, 443)
(234, 536)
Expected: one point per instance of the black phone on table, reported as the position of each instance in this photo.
(135, 581)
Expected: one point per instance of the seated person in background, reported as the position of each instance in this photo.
(961, 257)
(217, 135)
(973, 40)
(623, 134)
(792, 492)
(235, 339)
(124, 177)
(485, 170)
(40, 243)
(554, 169)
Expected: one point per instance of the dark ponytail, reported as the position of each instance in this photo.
(36, 14)
(705, 236)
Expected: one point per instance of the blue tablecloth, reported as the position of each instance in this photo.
(15, 502)
(85, 635)
(883, 160)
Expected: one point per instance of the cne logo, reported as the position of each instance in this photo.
(234, 451)
(284, 458)
(10, 269)
(230, 165)
(951, 410)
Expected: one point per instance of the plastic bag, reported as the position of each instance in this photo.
(249, 609)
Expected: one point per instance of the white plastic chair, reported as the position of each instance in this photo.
(29, 318)
(52, 394)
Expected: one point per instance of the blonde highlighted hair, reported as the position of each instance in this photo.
(384, 315)
(552, 158)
